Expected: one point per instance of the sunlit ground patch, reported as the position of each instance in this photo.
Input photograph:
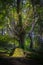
(18, 53)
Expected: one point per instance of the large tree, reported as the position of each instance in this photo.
(19, 18)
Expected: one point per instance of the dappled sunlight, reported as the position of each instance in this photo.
(18, 53)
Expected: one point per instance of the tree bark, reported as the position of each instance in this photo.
(31, 42)
(21, 30)
(22, 38)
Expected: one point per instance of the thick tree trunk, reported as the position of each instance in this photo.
(21, 41)
(21, 31)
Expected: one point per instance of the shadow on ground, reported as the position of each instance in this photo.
(19, 61)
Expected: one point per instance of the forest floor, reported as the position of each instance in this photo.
(32, 58)
(20, 61)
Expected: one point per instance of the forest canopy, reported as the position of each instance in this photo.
(21, 25)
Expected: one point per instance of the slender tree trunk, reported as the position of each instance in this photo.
(31, 42)
(33, 25)
(2, 31)
(12, 52)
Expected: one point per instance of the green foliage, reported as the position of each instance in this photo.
(19, 24)
(4, 39)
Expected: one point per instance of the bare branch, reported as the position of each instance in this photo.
(34, 23)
